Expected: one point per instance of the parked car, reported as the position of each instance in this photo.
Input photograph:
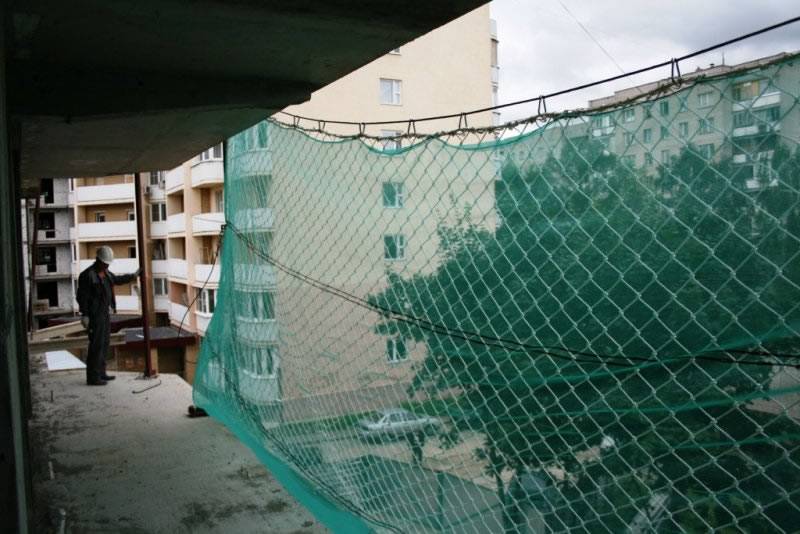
(395, 423)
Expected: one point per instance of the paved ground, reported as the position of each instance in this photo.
(115, 461)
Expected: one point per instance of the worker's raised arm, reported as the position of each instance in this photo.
(119, 279)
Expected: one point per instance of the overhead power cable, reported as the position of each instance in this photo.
(511, 345)
(673, 63)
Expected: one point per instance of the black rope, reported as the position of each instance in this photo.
(672, 62)
(208, 278)
(494, 341)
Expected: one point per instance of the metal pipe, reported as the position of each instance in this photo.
(144, 288)
(33, 233)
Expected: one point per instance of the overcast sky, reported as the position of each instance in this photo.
(543, 48)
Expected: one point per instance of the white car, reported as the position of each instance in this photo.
(395, 423)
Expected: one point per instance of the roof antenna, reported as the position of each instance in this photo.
(723, 58)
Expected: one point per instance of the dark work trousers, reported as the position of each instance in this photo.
(99, 337)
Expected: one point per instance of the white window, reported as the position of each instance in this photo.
(389, 143)
(258, 305)
(214, 152)
(663, 108)
(647, 134)
(683, 130)
(261, 361)
(628, 115)
(220, 201)
(99, 216)
(157, 177)
(394, 247)
(396, 350)
(665, 155)
(158, 212)
(705, 126)
(393, 195)
(707, 150)
(391, 91)
(159, 287)
(629, 138)
(704, 99)
(206, 300)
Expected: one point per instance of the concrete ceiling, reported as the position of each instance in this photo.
(100, 87)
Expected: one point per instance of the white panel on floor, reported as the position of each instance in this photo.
(62, 360)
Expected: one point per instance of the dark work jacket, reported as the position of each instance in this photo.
(96, 296)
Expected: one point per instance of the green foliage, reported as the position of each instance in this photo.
(602, 259)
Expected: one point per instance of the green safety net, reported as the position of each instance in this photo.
(586, 321)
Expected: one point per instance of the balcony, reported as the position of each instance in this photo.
(107, 231)
(127, 303)
(767, 99)
(176, 224)
(44, 272)
(174, 180)
(158, 229)
(252, 163)
(158, 267)
(250, 277)
(258, 389)
(202, 320)
(253, 220)
(54, 235)
(208, 173)
(104, 194)
(156, 193)
(177, 312)
(161, 303)
(756, 129)
(177, 268)
(205, 271)
(208, 223)
(257, 332)
(119, 266)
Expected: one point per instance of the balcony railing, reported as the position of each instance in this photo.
(161, 303)
(756, 129)
(208, 173)
(177, 268)
(107, 231)
(257, 331)
(177, 313)
(174, 180)
(252, 163)
(104, 194)
(202, 320)
(55, 234)
(767, 99)
(158, 229)
(254, 220)
(118, 266)
(127, 303)
(57, 200)
(208, 223)
(249, 277)
(53, 271)
(205, 271)
(176, 224)
(159, 266)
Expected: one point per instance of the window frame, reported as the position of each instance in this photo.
(399, 195)
(396, 350)
(400, 246)
(396, 91)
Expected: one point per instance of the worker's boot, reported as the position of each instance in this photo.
(96, 382)
(108, 377)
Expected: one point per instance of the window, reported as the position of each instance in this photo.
(260, 360)
(158, 212)
(628, 115)
(396, 350)
(648, 111)
(131, 215)
(648, 135)
(71, 184)
(214, 152)
(629, 137)
(749, 90)
(132, 252)
(206, 300)
(156, 177)
(664, 132)
(704, 126)
(393, 195)
(707, 150)
(394, 247)
(665, 157)
(704, 99)
(391, 91)
(255, 138)
(683, 130)
(663, 108)
(220, 201)
(389, 143)
(159, 287)
(74, 252)
(99, 216)
(258, 305)
(648, 158)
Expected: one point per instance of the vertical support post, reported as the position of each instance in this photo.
(143, 285)
(33, 242)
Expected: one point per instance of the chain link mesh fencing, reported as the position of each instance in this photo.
(588, 326)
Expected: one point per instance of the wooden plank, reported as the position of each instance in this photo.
(80, 342)
(57, 331)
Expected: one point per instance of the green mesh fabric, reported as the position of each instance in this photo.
(586, 322)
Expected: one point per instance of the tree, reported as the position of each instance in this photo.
(626, 275)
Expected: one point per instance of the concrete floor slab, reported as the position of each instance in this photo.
(118, 461)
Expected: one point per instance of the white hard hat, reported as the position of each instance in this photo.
(105, 254)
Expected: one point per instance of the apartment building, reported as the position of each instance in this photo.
(449, 70)
(50, 282)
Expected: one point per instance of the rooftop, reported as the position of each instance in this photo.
(120, 461)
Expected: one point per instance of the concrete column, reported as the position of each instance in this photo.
(14, 475)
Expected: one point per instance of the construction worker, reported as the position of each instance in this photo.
(95, 299)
